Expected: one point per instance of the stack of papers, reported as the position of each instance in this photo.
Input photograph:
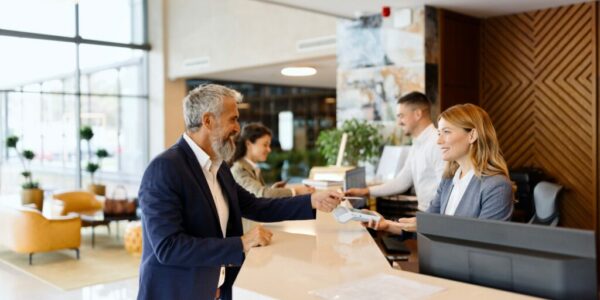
(322, 184)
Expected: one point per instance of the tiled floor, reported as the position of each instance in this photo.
(15, 284)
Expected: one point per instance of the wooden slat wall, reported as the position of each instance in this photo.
(539, 82)
(459, 64)
(598, 146)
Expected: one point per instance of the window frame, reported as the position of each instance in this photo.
(77, 40)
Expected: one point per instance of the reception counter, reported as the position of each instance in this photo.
(306, 257)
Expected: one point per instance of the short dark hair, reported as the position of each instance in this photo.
(251, 132)
(416, 99)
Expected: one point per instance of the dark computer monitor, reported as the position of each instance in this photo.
(550, 262)
(356, 178)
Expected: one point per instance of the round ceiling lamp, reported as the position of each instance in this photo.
(298, 71)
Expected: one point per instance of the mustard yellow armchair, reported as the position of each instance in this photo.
(26, 230)
(78, 202)
(82, 202)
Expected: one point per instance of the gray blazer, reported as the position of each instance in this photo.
(246, 177)
(486, 197)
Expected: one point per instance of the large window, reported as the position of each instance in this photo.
(63, 66)
(39, 16)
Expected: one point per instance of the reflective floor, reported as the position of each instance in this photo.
(15, 284)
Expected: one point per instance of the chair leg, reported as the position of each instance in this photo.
(108, 227)
(30, 258)
(77, 252)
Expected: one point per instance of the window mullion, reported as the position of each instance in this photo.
(77, 102)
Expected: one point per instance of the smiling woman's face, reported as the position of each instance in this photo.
(453, 141)
(260, 149)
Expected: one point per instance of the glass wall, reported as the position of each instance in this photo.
(51, 17)
(55, 79)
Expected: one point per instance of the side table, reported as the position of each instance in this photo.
(99, 218)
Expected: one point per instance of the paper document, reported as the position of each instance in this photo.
(322, 184)
(380, 286)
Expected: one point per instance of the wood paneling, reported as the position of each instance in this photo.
(597, 26)
(539, 82)
(459, 64)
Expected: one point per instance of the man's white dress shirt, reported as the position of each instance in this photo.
(423, 169)
(210, 169)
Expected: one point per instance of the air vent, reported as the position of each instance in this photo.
(320, 43)
(197, 63)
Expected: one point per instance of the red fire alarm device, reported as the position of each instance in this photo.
(385, 11)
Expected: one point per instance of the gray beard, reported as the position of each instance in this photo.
(222, 147)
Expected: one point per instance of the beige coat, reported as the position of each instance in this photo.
(247, 178)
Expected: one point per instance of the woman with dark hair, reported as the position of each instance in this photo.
(475, 183)
(253, 146)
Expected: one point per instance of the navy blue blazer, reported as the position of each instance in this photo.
(183, 245)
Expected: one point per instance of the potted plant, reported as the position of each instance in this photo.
(31, 193)
(86, 133)
(364, 142)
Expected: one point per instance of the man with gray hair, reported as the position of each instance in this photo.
(192, 207)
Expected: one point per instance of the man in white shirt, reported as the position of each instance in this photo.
(424, 165)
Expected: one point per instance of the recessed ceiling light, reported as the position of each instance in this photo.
(298, 71)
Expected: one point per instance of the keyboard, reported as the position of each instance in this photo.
(394, 246)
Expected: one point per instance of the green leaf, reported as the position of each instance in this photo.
(28, 154)
(364, 142)
(30, 185)
(86, 133)
(102, 153)
(328, 143)
(11, 141)
(92, 168)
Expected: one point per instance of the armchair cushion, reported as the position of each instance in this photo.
(78, 202)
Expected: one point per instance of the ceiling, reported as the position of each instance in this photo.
(476, 8)
(326, 67)
(325, 77)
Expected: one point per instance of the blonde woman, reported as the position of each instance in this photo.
(475, 181)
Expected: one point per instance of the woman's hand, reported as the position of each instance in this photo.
(403, 224)
(382, 224)
(279, 184)
(357, 192)
(303, 189)
(408, 224)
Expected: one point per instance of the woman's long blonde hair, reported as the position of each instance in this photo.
(485, 153)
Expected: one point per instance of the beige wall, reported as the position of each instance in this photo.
(156, 77)
(238, 34)
(165, 112)
(235, 34)
(175, 91)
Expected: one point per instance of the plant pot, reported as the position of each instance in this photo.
(97, 189)
(35, 196)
